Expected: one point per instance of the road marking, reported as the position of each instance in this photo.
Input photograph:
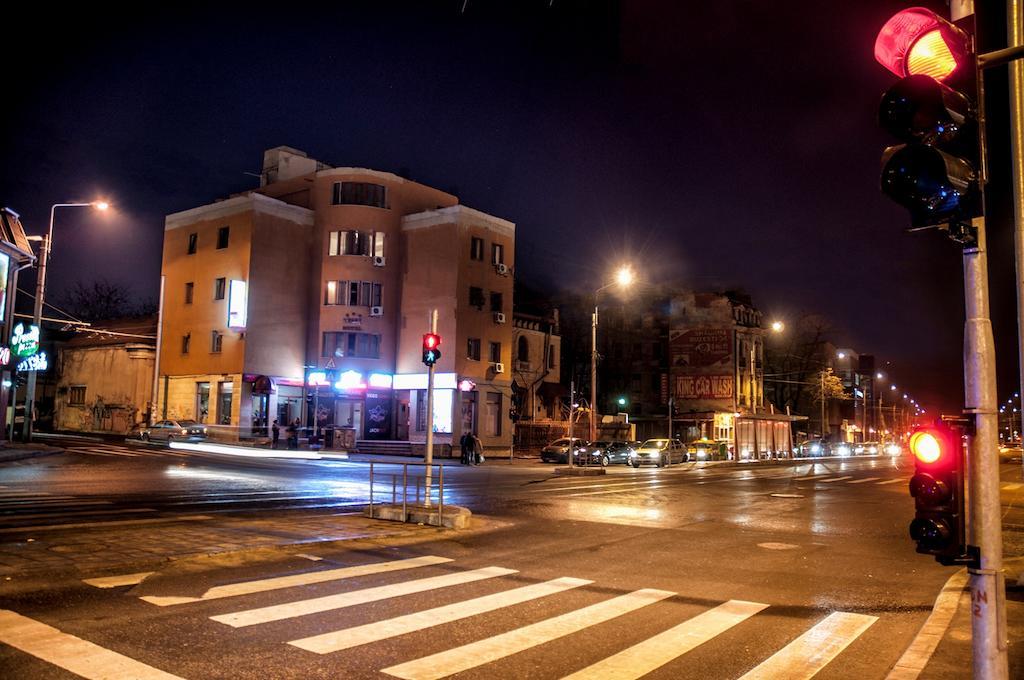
(611, 491)
(94, 513)
(579, 487)
(381, 630)
(893, 481)
(822, 474)
(491, 649)
(865, 479)
(812, 651)
(655, 652)
(71, 653)
(786, 495)
(1012, 487)
(114, 523)
(309, 557)
(835, 479)
(303, 579)
(921, 649)
(251, 617)
(116, 581)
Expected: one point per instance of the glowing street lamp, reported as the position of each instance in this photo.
(778, 326)
(624, 277)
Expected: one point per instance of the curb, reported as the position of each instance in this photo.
(10, 455)
(927, 640)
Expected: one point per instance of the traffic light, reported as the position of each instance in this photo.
(431, 353)
(938, 490)
(935, 171)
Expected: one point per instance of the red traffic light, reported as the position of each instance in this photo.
(431, 340)
(919, 41)
(926, 446)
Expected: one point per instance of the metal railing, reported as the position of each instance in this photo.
(418, 486)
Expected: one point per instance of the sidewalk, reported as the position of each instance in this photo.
(135, 544)
(10, 451)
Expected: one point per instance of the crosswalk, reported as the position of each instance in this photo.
(124, 451)
(823, 639)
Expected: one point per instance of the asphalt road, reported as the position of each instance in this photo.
(686, 572)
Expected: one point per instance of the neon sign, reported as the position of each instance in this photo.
(25, 341)
(36, 362)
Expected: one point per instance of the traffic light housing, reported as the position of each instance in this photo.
(937, 486)
(935, 171)
(431, 353)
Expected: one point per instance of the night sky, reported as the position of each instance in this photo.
(726, 146)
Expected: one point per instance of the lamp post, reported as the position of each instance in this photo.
(37, 311)
(623, 277)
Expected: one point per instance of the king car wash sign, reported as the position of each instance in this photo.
(25, 341)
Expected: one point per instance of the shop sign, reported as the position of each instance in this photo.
(25, 341)
(704, 386)
(5, 356)
(237, 304)
(378, 415)
(36, 362)
(350, 380)
(701, 347)
(352, 322)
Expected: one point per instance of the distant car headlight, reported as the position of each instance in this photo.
(184, 432)
(843, 450)
(815, 448)
(872, 449)
(892, 449)
(702, 454)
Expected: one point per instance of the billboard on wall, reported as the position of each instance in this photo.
(704, 386)
(701, 347)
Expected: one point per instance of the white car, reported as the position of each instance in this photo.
(661, 452)
(174, 430)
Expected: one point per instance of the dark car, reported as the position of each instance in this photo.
(558, 450)
(620, 453)
(594, 453)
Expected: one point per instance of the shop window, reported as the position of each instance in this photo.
(473, 349)
(360, 193)
(193, 242)
(492, 415)
(76, 395)
(225, 393)
(202, 401)
(222, 237)
(476, 249)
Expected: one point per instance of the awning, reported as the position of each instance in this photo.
(263, 384)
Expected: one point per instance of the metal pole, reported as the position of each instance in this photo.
(822, 395)
(987, 582)
(429, 458)
(572, 393)
(593, 372)
(37, 314)
(405, 491)
(371, 489)
(1015, 38)
(440, 495)
(156, 359)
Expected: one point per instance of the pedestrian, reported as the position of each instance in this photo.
(464, 448)
(477, 451)
(275, 431)
(293, 434)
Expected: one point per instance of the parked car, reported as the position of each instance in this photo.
(704, 449)
(174, 430)
(1010, 454)
(892, 448)
(661, 452)
(558, 450)
(812, 448)
(866, 448)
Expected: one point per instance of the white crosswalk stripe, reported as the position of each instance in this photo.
(500, 646)
(303, 579)
(864, 480)
(252, 617)
(812, 651)
(835, 479)
(655, 652)
(380, 630)
(894, 481)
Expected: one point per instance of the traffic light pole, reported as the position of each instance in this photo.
(988, 587)
(429, 457)
(1015, 38)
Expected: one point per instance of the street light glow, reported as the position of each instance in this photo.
(101, 205)
(624, 276)
(878, 376)
(841, 355)
(778, 326)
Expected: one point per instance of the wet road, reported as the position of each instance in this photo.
(781, 571)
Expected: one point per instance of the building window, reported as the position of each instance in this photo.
(352, 242)
(353, 293)
(476, 251)
(225, 394)
(476, 297)
(222, 237)
(220, 285)
(421, 410)
(189, 288)
(473, 349)
(495, 353)
(497, 253)
(216, 341)
(492, 414)
(186, 340)
(361, 345)
(496, 303)
(523, 352)
(193, 241)
(360, 193)
(551, 356)
(76, 395)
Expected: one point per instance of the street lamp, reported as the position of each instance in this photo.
(37, 312)
(778, 326)
(623, 278)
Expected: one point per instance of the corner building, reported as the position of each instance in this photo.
(320, 299)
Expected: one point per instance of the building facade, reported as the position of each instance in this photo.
(308, 297)
(15, 254)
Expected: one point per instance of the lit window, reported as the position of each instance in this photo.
(477, 249)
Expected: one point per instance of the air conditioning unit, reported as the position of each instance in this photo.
(379, 261)
(377, 311)
(499, 367)
(501, 269)
(499, 317)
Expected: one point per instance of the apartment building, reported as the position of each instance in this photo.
(315, 306)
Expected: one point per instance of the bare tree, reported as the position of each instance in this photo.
(102, 299)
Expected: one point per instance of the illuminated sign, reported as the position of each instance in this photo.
(5, 356)
(236, 304)
(443, 400)
(350, 380)
(466, 385)
(318, 378)
(418, 381)
(5, 267)
(25, 341)
(380, 380)
(36, 362)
